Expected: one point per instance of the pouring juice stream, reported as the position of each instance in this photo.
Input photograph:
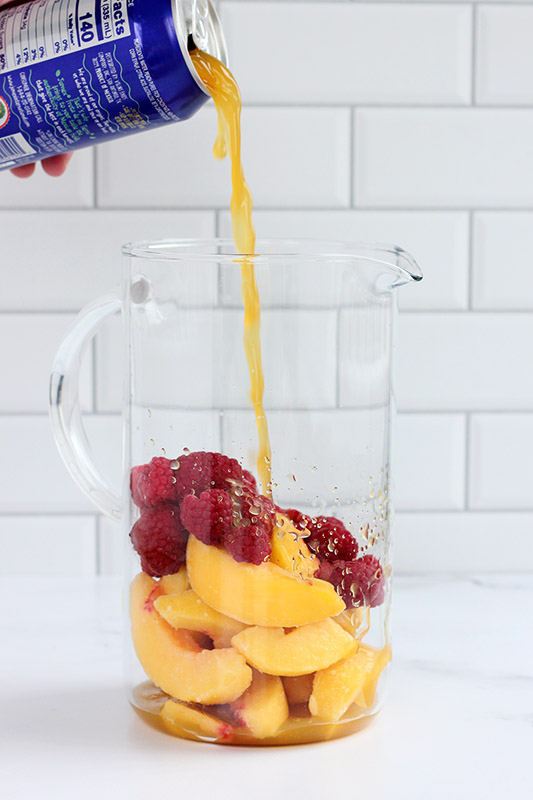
(226, 95)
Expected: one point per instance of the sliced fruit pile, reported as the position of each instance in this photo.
(254, 620)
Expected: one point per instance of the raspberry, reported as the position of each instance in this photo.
(198, 472)
(253, 509)
(330, 540)
(248, 481)
(160, 539)
(153, 484)
(250, 543)
(209, 516)
(359, 582)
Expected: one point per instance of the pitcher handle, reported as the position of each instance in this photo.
(67, 424)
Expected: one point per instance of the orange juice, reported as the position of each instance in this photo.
(223, 88)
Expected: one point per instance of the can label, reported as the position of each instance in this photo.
(76, 72)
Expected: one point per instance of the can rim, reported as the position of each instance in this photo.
(215, 44)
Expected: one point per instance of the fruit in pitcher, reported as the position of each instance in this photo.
(153, 484)
(188, 611)
(359, 582)
(351, 620)
(261, 594)
(290, 551)
(263, 707)
(198, 472)
(348, 681)
(248, 543)
(174, 661)
(176, 583)
(180, 719)
(298, 689)
(160, 539)
(366, 697)
(305, 649)
(209, 516)
(330, 539)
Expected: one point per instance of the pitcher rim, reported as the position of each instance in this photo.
(294, 249)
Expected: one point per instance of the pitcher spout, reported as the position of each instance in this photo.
(396, 267)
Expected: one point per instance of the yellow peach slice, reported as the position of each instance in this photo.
(174, 661)
(366, 696)
(298, 689)
(181, 720)
(176, 583)
(263, 707)
(338, 686)
(188, 611)
(302, 650)
(289, 550)
(262, 594)
(351, 619)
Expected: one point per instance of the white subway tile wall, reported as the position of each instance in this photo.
(369, 121)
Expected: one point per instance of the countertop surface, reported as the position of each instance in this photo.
(458, 721)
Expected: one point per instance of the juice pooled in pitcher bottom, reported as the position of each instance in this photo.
(248, 619)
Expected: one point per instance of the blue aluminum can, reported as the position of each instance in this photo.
(74, 73)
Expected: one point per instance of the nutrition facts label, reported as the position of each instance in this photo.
(45, 29)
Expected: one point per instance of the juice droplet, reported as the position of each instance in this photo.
(153, 442)
(186, 450)
(175, 464)
(149, 413)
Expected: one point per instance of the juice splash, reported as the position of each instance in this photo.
(227, 98)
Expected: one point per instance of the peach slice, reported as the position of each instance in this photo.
(366, 696)
(263, 707)
(175, 584)
(302, 650)
(174, 661)
(289, 550)
(181, 720)
(262, 594)
(298, 689)
(189, 611)
(350, 680)
(351, 619)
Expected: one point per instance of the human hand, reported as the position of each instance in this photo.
(55, 165)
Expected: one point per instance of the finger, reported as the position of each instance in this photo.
(56, 165)
(25, 171)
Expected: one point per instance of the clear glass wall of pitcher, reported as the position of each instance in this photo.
(254, 619)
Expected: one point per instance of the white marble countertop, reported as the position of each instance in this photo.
(458, 722)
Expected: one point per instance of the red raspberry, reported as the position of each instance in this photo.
(359, 582)
(253, 509)
(248, 481)
(160, 539)
(153, 484)
(250, 543)
(330, 540)
(197, 472)
(209, 516)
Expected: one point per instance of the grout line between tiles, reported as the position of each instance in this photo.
(279, 208)
(470, 262)
(473, 92)
(468, 420)
(351, 160)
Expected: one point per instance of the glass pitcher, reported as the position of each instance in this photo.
(259, 615)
